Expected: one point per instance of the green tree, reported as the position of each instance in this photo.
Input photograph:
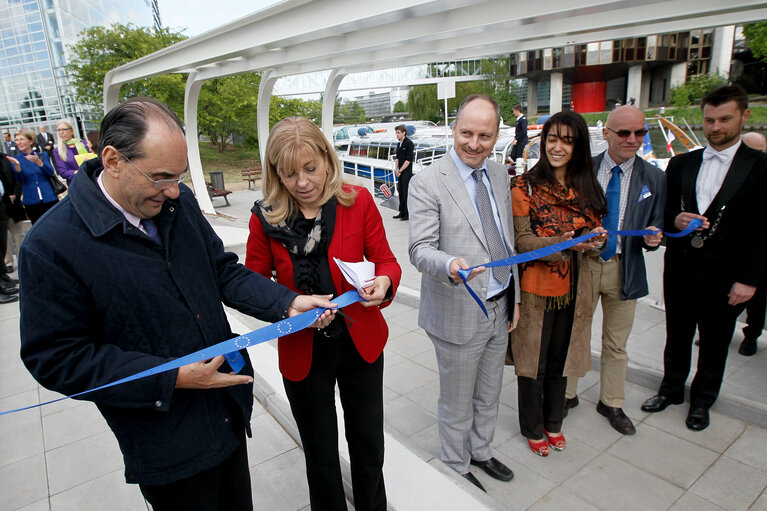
(399, 106)
(756, 38)
(423, 103)
(695, 88)
(100, 49)
(350, 112)
(227, 109)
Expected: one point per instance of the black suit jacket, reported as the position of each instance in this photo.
(44, 140)
(520, 131)
(737, 250)
(11, 186)
(641, 212)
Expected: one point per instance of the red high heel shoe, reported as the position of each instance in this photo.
(556, 440)
(539, 447)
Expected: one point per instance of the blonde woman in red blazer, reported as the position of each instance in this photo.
(308, 217)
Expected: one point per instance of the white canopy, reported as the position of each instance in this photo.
(346, 36)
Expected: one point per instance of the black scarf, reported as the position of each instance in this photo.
(306, 249)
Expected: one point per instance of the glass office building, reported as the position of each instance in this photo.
(34, 56)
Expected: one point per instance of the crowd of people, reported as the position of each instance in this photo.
(110, 267)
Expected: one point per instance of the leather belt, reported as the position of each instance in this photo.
(496, 297)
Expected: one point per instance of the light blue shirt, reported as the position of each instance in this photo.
(493, 287)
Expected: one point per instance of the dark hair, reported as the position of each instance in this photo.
(401, 127)
(125, 126)
(93, 138)
(580, 169)
(725, 94)
(518, 108)
(471, 97)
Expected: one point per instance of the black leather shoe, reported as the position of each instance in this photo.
(404, 218)
(570, 402)
(658, 403)
(6, 285)
(747, 347)
(697, 418)
(8, 280)
(10, 290)
(495, 469)
(473, 480)
(4, 298)
(618, 419)
(397, 216)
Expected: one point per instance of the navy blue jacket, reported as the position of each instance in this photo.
(641, 212)
(101, 301)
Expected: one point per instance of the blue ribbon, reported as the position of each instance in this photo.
(267, 333)
(558, 247)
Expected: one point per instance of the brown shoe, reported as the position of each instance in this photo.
(618, 420)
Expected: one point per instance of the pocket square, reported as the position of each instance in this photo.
(645, 193)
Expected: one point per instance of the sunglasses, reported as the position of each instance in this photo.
(627, 133)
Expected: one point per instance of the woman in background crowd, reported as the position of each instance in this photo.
(67, 147)
(558, 199)
(33, 171)
(309, 217)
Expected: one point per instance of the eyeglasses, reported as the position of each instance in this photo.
(63, 129)
(627, 133)
(160, 184)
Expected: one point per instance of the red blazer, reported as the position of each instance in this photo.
(358, 232)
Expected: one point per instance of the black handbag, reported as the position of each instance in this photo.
(57, 185)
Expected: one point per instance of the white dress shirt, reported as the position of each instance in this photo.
(712, 172)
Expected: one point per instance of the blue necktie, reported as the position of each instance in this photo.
(151, 229)
(613, 212)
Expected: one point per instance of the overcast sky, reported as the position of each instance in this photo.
(198, 16)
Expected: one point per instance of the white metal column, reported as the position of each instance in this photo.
(191, 98)
(329, 102)
(265, 89)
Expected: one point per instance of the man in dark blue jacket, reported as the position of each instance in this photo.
(618, 274)
(126, 274)
(520, 134)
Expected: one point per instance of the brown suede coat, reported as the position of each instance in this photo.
(526, 338)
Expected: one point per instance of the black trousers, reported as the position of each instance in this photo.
(312, 401)
(403, 182)
(696, 297)
(755, 312)
(35, 211)
(225, 487)
(541, 401)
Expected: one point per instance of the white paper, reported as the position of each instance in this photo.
(360, 275)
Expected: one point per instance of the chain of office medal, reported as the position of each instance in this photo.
(698, 239)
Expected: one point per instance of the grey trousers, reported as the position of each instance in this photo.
(470, 378)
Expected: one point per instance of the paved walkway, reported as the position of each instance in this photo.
(63, 457)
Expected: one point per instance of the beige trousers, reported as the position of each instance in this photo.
(617, 321)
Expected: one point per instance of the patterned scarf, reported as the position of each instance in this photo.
(552, 212)
(304, 250)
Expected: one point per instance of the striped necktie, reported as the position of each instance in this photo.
(492, 235)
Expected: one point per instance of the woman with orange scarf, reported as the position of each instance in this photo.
(558, 199)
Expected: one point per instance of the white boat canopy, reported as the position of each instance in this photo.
(347, 36)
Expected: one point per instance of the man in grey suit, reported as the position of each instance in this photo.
(460, 216)
(618, 274)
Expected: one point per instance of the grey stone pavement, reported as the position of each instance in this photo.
(63, 457)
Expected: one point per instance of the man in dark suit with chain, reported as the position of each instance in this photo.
(46, 142)
(711, 274)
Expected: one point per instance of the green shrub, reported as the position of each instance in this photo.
(695, 88)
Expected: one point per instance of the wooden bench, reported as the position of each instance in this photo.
(216, 192)
(251, 175)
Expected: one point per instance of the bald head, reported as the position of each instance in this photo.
(755, 141)
(625, 119)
